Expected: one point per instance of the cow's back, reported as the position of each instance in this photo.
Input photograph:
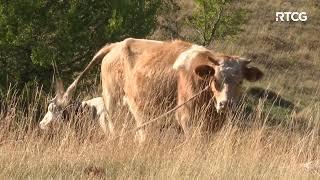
(152, 82)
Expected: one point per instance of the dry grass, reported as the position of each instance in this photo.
(246, 148)
(272, 142)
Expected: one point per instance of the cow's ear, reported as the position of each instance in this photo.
(252, 74)
(204, 71)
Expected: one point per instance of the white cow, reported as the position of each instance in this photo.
(96, 105)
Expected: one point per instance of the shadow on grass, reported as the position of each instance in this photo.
(277, 111)
(271, 97)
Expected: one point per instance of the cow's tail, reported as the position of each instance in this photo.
(98, 56)
(96, 59)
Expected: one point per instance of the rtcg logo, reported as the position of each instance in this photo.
(291, 16)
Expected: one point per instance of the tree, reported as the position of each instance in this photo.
(213, 19)
(35, 33)
(200, 21)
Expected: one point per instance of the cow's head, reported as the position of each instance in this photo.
(58, 103)
(51, 115)
(226, 73)
(63, 98)
(227, 77)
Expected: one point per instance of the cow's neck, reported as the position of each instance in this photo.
(75, 107)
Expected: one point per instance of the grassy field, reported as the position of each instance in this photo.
(247, 147)
(278, 139)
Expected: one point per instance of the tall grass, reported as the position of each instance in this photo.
(246, 147)
(262, 140)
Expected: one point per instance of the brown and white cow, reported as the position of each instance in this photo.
(162, 74)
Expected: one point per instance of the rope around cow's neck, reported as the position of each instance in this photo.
(162, 115)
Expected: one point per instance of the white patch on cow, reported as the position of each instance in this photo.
(96, 103)
(186, 58)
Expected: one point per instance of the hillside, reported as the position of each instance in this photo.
(287, 51)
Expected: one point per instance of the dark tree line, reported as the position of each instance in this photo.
(34, 34)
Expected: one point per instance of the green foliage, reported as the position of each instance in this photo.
(35, 33)
(213, 19)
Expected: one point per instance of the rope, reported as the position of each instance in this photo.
(162, 115)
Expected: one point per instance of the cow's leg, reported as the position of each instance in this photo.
(102, 122)
(142, 135)
(183, 117)
(139, 118)
(109, 103)
(183, 114)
